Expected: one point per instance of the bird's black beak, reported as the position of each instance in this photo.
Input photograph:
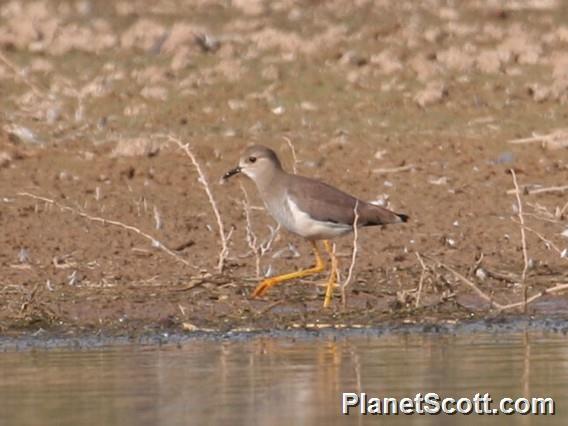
(232, 172)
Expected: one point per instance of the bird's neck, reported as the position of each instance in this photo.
(269, 181)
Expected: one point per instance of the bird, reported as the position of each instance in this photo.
(309, 208)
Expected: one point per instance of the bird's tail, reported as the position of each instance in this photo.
(403, 218)
(376, 215)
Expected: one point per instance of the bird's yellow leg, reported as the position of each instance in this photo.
(272, 281)
(332, 277)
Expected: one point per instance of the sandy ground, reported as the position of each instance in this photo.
(409, 104)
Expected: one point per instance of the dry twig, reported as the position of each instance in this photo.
(555, 140)
(562, 210)
(530, 139)
(546, 241)
(250, 235)
(104, 221)
(259, 249)
(19, 74)
(291, 145)
(267, 244)
(224, 238)
(529, 191)
(523, 237)
(353, 254)
(542, 212)
(470, 283)
(421, 282)
(387, 170)
(558, 288)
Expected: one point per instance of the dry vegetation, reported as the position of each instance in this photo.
(119, 118)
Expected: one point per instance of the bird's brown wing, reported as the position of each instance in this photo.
(325, 203)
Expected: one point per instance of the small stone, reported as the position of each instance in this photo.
(379, 155)
(450, 242)
(236, 104)
(21, 134)
(5, 159)
(442, 180)
(157, 93)
(23, 256)
(433, 93)
(308, 106)
(135, 147)
(207, 42)
(538, 92)
(187, 326)
(481, 274)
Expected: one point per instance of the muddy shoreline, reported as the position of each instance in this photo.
(83, 340)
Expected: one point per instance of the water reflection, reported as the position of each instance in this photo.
(278, 382)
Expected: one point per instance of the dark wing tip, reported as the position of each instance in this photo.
(403, 218)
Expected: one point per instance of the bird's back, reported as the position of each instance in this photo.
(326, 203)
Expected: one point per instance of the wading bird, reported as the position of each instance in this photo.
(307, 207)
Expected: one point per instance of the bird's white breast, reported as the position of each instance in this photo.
(288, 214)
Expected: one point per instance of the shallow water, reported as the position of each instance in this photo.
(279, 381)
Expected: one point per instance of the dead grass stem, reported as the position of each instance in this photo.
(387, 170)
(554, 140)
(251, 238)
(353, 255)
(421, 282)
(466, 281)
(562, 210)
(294, 158)
(546, 241)
(529, 191)
(523, 237)
(37, 91)
(558, 288)
(223, 238)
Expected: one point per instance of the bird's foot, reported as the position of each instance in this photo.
(329, 292)
(262, 288)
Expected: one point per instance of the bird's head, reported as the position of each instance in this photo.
(256, 162)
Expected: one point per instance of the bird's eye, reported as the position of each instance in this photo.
(252, 159)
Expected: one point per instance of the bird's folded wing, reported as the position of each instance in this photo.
(325, 203)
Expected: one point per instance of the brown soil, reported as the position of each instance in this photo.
(435, 88)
